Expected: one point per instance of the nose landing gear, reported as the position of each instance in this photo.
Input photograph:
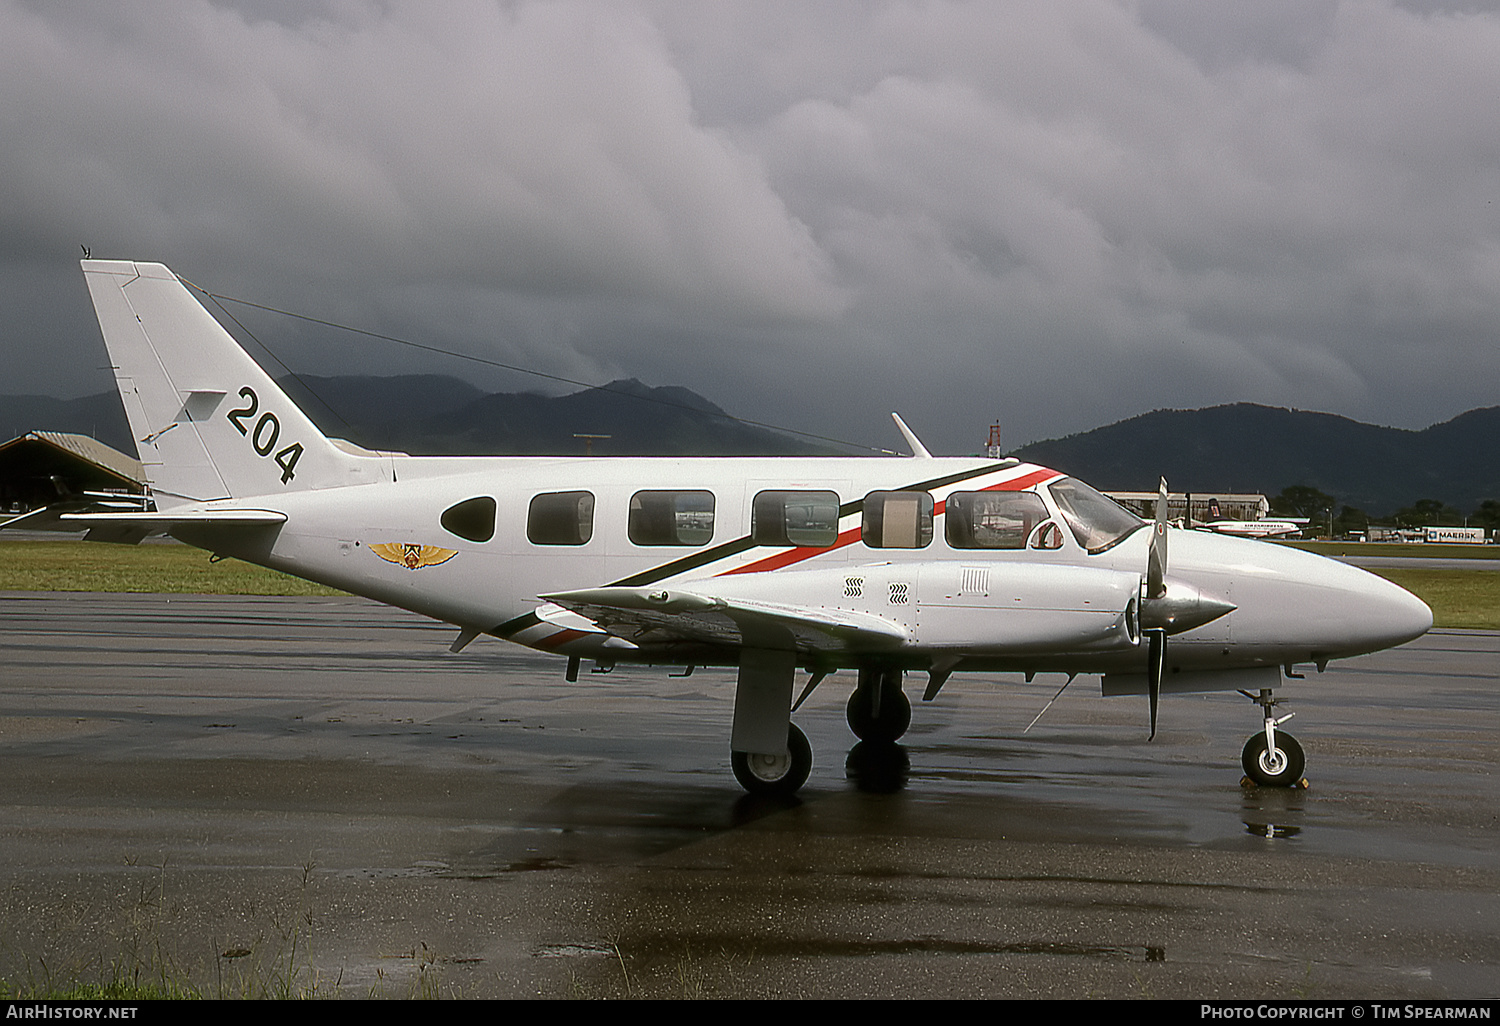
(1272, 758)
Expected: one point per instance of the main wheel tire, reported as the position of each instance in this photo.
(894, 718)
(775, 776)
(1280, 767)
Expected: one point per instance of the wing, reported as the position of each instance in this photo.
(655, 615)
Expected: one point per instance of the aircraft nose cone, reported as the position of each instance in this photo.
(1395, 615)
(1369, 611)
(1293, 602)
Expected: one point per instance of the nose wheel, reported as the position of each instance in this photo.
(1271, 757)
(1278, 766)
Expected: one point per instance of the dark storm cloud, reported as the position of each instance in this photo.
(1054, 214)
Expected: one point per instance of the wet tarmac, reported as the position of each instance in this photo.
(261, 795)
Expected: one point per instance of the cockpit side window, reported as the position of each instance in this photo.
(992, 520)
(1097, 521)
(1048, 536)
(472, 519)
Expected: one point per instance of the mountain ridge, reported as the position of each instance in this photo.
(1248, 447)
(1233, 447)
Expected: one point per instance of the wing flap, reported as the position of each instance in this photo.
(646, 615)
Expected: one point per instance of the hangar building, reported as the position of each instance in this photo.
(41, 467)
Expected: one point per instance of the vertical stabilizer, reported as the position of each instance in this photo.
(208, 422)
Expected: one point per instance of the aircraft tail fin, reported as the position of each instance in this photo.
(208, 422)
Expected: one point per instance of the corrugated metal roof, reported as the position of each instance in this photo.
(93, 450)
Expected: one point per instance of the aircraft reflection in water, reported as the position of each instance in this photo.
(887, 566)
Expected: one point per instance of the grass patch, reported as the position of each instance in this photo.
(1400, 550)
(114, 990)
(1459, 598)
(176, 569)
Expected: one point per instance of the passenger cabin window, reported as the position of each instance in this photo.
(561, 518)
(897, 520)
(671, 518)
(472, 519)
(992, 520)
(795, 518)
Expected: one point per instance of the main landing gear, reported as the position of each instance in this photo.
(775, 776)
(878, 713)
(879, 710)
(1272, 758)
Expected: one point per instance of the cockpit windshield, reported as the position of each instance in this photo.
(1096, 520)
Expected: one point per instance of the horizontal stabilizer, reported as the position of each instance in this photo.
(48, 518)
(79, 516)
(134, 528)
(174, 518)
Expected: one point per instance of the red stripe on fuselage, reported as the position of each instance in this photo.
(1023, 482)
(559, 639)
(791, 556)
(849, 537)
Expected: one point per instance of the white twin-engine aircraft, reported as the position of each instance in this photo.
(886, 566)
(1285, 527)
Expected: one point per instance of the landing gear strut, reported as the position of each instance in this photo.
(1272, 758)
(775, 776)
(879, 710)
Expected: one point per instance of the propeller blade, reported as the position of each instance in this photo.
(1156, 558)
(1156, 658)
(1154, 610)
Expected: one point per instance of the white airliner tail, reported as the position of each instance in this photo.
(208, 422)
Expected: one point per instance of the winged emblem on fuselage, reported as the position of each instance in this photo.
(412, 556)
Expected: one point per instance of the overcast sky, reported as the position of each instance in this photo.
(1051, 214)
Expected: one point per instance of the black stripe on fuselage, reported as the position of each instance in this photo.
(510, 628)
(732, 548)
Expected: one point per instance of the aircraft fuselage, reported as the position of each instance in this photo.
(1289, 606)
